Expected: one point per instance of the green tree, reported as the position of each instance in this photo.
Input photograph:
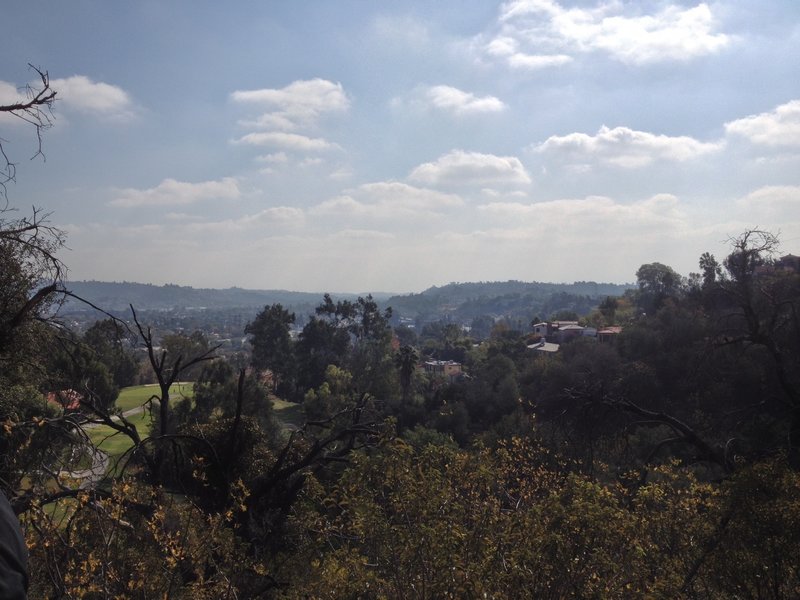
(406, 360)
(272, 344)
(217, 395)
(111, 344)
(321, 343)
(656, 282)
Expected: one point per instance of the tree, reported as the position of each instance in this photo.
(217, 395)
(760, 308)
(354, 335)
(30, 277)
(111, 343)
(321, 344)
(406, 360)
(35, 108)
(272, 344)
(657, 282)
(710, 269)
(180, 354)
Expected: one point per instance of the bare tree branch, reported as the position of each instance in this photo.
(35, 110)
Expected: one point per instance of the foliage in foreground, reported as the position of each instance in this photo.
(512, 523)
(440, 522)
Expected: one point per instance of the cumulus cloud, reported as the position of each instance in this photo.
(191, 228)
(172, 193)
(78, 94)
(780, 203)
(471, 169)
(780, 127)
(368, 235)
(627, 148)
(276, 214)
(459, 102)
(273, 158)
(388, 200)
(593, 216)
(542, 33)
(287, 141)
(519, 60)
(81, 94)
(300, 103)
(9, 94)
(507, 48)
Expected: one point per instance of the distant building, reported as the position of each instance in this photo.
(542, 329)
(561, 331)
(67, 399)
(569, 332)
(608, 334)
(449, 369)
(790, 262)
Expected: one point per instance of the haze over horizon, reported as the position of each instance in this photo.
(350, 146)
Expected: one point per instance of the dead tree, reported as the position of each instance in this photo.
(35, 109)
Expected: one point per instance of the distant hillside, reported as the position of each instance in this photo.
(514, 299)
(456, 301)
(114, 296)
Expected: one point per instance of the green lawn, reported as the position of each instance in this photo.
(131, 397)
(115, 444)
(288, 413)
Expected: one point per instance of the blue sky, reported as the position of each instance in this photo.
(385, 146)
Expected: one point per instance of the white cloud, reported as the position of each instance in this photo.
(519, 60)
(471, 169)
(779, 203)
(274, 158)
(388, 200)
(549, 33)
(171, 193)
(300, 103)
(277, 214)
(593, 213)
(780, 127)
(627, 148)
(78, 94)
(288, 141)
(459, 102)
(276, 218)
(341, 173)
(9, 94)
(508, 49)
(363, 234)
(81, 94)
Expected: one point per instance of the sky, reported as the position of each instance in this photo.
(361, 145)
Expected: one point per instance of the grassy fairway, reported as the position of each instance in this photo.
(288, 413)
(116, 444)
(131, 397)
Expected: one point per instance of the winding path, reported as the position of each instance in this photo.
(100, 460)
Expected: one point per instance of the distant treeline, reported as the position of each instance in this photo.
(457, 301)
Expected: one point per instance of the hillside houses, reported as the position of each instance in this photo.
(553, 334)
(443, 369)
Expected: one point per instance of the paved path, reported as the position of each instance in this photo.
(100, 459)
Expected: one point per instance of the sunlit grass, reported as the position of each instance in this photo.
(288, 413)
(114, 443)
(137, 395)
